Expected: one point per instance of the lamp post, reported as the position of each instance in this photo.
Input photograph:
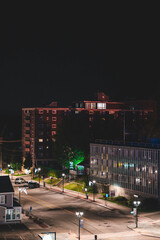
(86, 192)
(39, 169)
(79, 215)
(136, 204)
(8, 168)
(93, 190)
(19, 189)
(63, 175)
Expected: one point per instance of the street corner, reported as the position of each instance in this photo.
(146, 229)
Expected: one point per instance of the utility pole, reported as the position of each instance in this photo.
(124, 128)
(0, 152)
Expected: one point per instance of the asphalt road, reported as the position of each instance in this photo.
(58, 212)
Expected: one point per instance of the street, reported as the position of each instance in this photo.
(58, 211)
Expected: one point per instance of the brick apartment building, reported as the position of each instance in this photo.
(39, 124)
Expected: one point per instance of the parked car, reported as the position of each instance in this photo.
(33, 185)
(19, 181)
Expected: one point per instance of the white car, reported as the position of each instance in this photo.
(19, 180)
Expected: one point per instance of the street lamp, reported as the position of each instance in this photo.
(79, 215)
(63, 175)
(86, 192)
(39, 169)
(136, 204)
(94, 190)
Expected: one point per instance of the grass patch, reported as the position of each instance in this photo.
(52, 181)
(75, 187)
(19, 174)
(37, 179)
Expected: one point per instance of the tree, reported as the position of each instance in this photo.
(28, 162)
(72, 140)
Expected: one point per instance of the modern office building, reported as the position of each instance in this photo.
(39, 124)
(128, 169)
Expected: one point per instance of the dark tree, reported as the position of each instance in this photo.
(28, 162)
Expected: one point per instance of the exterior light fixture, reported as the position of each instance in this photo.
(63, 175)
(136, 204)
(79, 215)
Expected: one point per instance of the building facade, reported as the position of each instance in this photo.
(10, 210)
(39, 125)
(128, 169)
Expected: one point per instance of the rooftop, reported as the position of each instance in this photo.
(5, 184)
(128, 144)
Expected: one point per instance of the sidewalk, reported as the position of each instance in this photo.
(147, 227)
(107, 204)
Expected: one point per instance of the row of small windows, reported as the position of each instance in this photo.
(125, 152)
(47, 111)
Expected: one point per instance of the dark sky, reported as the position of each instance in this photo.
(67, 53)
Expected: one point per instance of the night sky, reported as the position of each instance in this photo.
(63, 54)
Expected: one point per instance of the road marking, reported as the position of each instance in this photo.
(31, 198)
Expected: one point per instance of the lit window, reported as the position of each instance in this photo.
(101, 105)
(138, 181)
(93, 105)
(40, 139)
(53, 133)
(47, 118)
(53, 125)
(47, 147)
(47, 111)
(54, 118)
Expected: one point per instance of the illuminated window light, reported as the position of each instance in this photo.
(40, 139)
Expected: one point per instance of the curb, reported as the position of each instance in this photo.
(78, 197)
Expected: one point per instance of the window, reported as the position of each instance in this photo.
(40, 147)
(54, 111)
(91, 112)
(54, 118)
(2, 199)
(93, 105)
(40, 111)
(53, 125)
(53, 133)
(40, 140)
(47, 118)
(27, 111)
(18, 213)
(101, 105)
(8, 214)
